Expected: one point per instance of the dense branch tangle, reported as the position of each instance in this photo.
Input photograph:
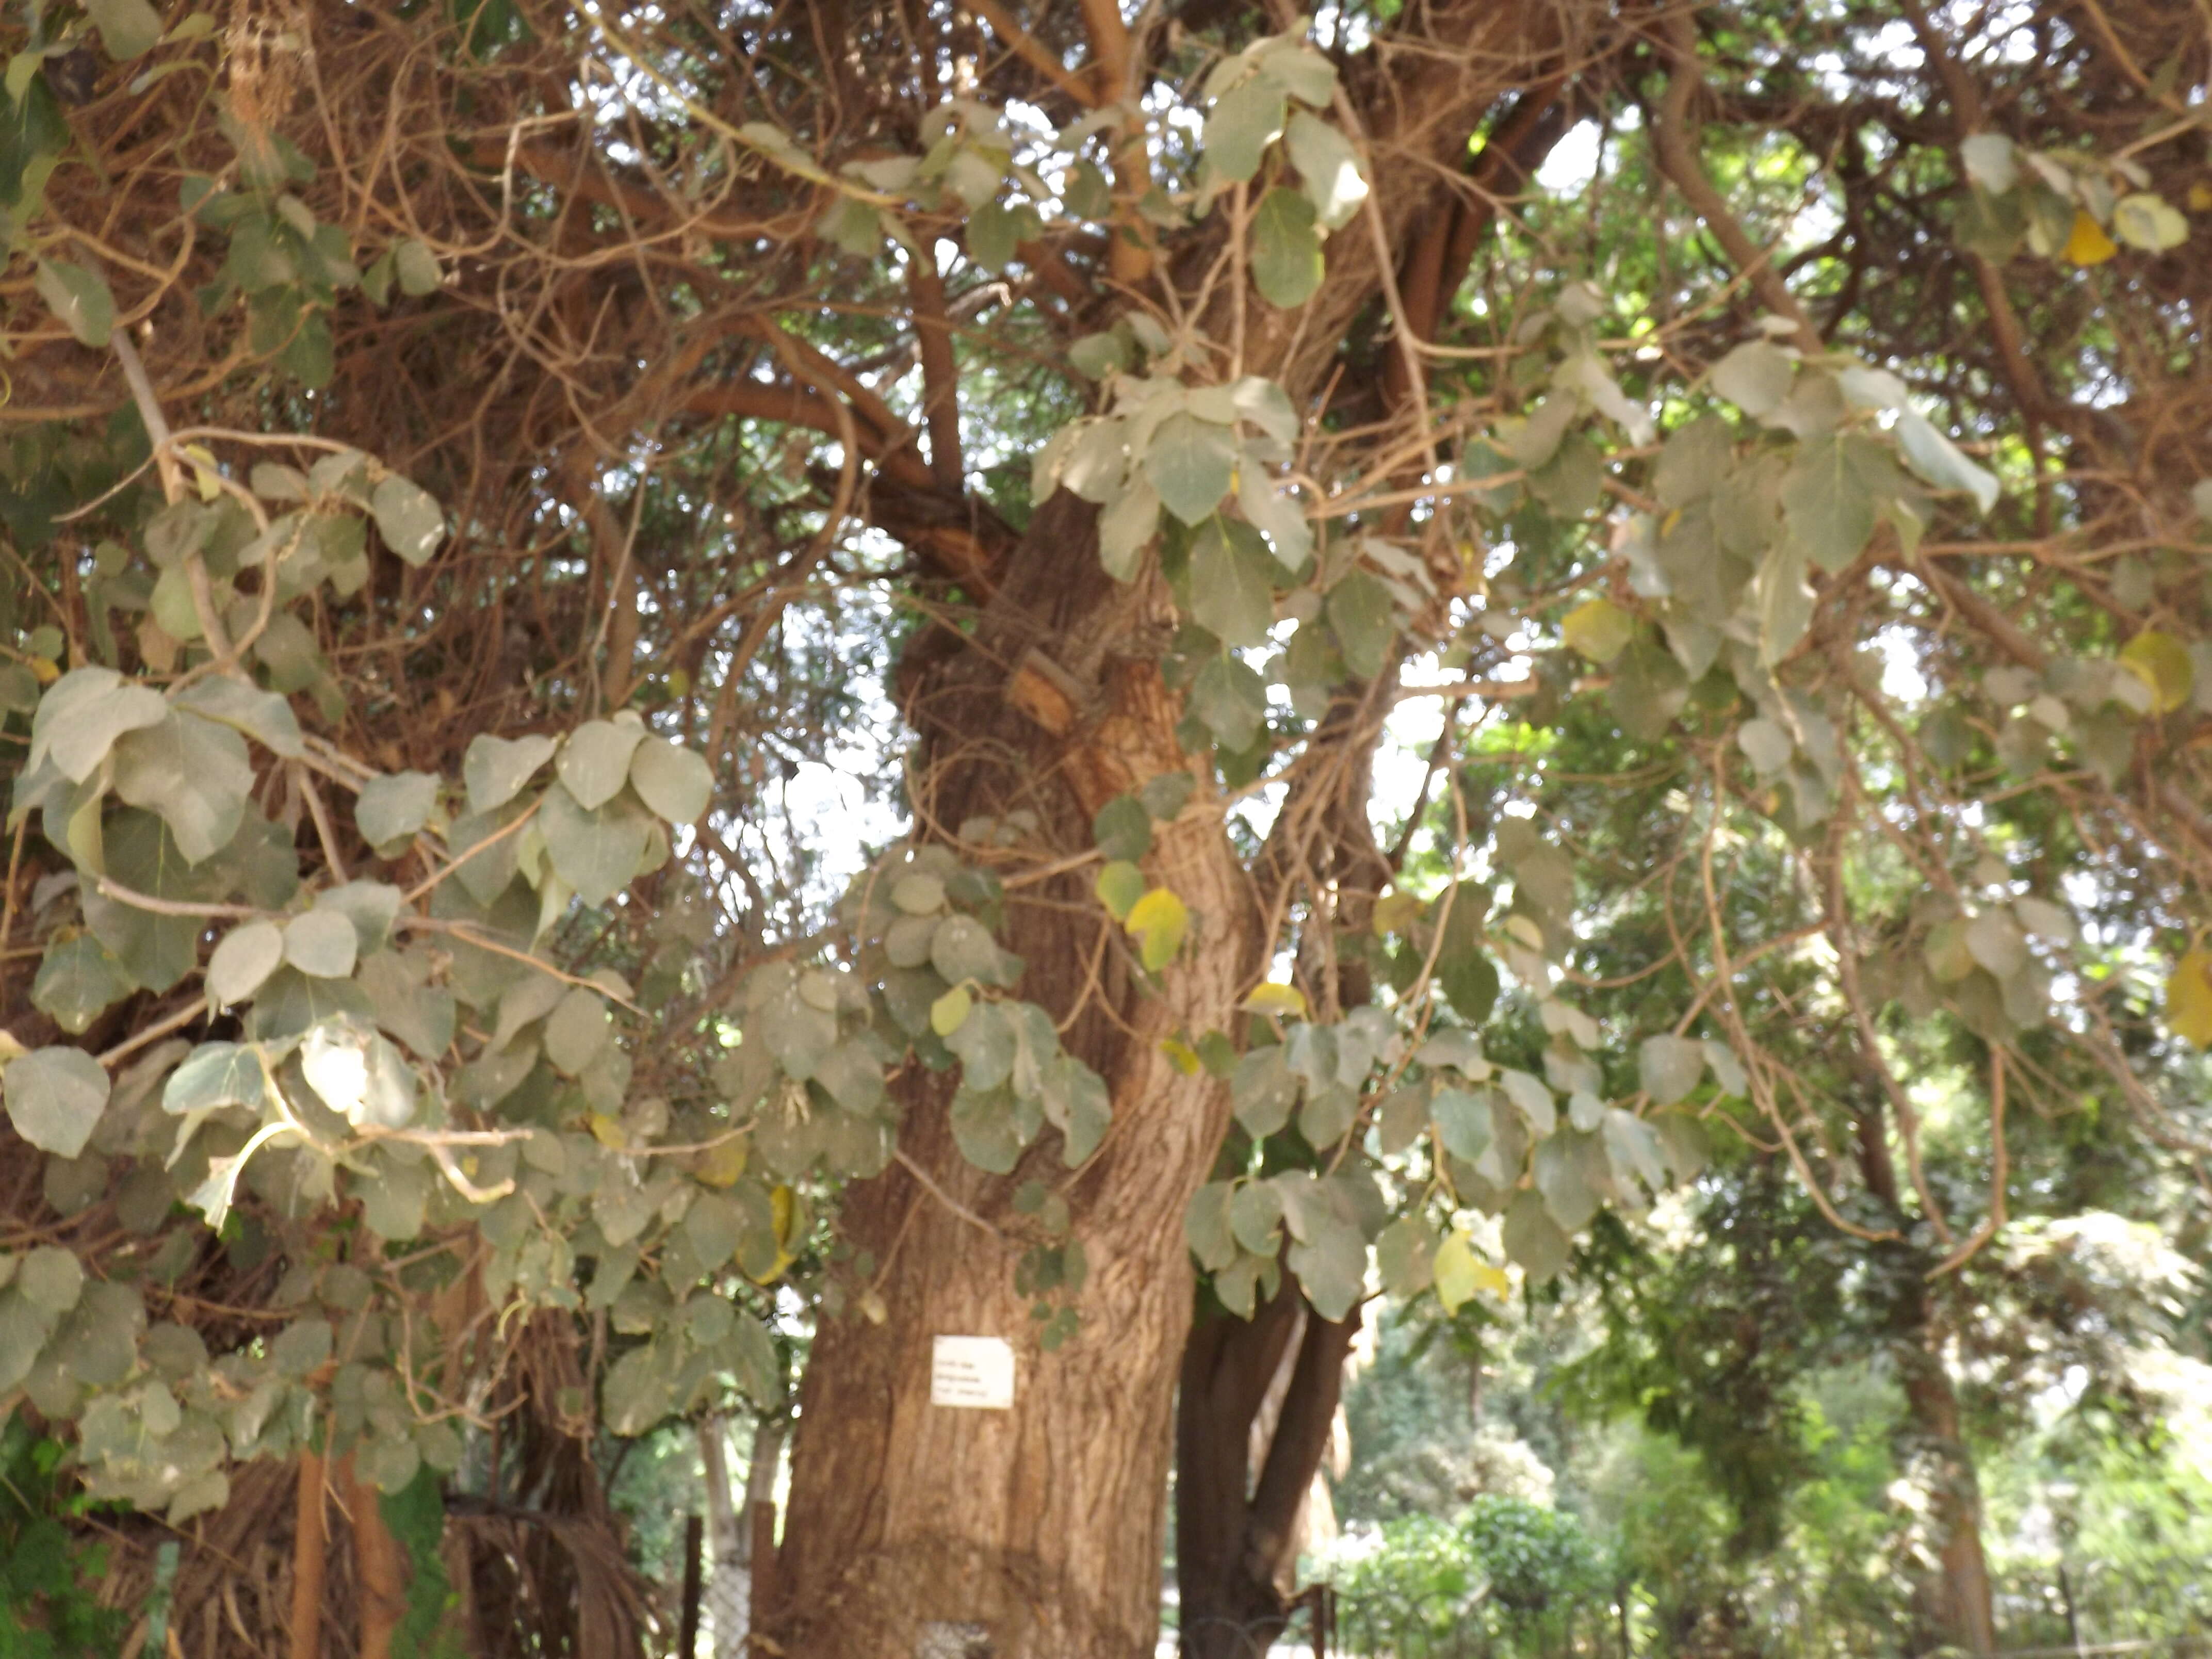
(737, 343)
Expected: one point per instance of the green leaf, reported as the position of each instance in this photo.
(322, 945)
(918, 895)
(1122, 830)
(1206, 1227)
(77, 979)
(1127, 527)
(1232, 582)
(674, 781)
(156, 951)
(417, 267)
(391, 809)
(1359, 614)
(1242, 123)
(1328, 169)
(1405, 1254)
(1262, 1091)
(1528, 1092)
(51, 1279)
(1231, 700)
(405, 1003)
(994, 230)
(577, 1032)
(81, 715)
(496, 768)
(1533, 1239)
(597, 852)
(1463, 1123)
(595, 760)
(128, 28)
(79, 298)
(262, 715)
(1286, 262)
(55, 1097)
(962, 949)
(1671, 1066)
(1075, 1101)
(407, 517)
(1191, 463)
(1938, 461)
(194, 772)
(1755, 377)
(986, 1043)
(1119, 886)
(248, 954)
(1989, 161)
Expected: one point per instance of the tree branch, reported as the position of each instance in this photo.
(1678, 159)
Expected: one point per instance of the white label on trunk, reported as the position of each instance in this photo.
(976, 1372)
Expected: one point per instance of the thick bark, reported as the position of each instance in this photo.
(1236, 1535)
(1036, 1531)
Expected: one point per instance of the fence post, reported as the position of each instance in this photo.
(687, 1640)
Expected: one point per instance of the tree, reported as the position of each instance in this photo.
(577, 310)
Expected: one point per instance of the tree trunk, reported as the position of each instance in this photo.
(1235, 1535)
(1955, 1603)
(1033, 1533)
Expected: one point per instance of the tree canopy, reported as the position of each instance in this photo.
(691, 680)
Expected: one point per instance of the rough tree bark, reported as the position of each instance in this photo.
(1036, 1531)
(1234, 1534)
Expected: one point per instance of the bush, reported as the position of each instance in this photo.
(1505, 1569)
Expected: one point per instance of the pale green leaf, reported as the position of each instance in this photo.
(247, 955)
(1286, 259)
(1328, 169)
(408, 519)
(1232, 583)
(496, 768)
(55, 1097)
(79, 299)
(1191, 462)
(391, 809)
(676, 782)
(594, 761)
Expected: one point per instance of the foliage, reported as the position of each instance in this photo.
(1512, 1568)
(47, 1607)
(407, 665)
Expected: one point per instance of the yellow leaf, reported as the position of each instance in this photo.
(1276, 999)
(720, 1164)
(46, 669)
(1599, 629)
(950, 1011)
(1456, 1264)
(2200, 197)
(1180, 1056)
(2089, 245)
(785, 1216)
(2189, 999)
(1460, 1273)
(2162, 663)
(10, 1048)
(1157, 921)
(1393, 912)
(607, 1131)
